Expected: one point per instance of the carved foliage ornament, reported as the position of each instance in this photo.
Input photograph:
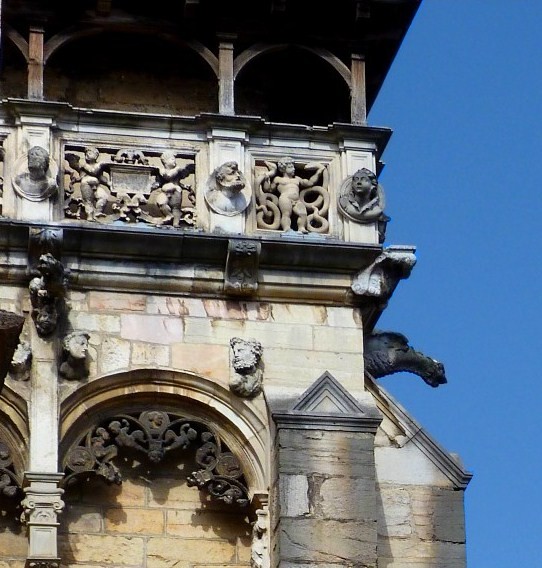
(109, 185)
(9, 483)
(292, 197)
(156, 433)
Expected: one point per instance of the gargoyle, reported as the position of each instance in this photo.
(388, 352)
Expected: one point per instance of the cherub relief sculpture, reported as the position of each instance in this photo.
(95, 182)
(46, 293)
(362, 200)
(226, 192)
(246, 361)
(285, 198)
(172, 197)
(75, 364)
(36, 182)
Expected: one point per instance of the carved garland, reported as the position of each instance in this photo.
(155, 433)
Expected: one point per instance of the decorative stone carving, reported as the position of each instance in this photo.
(36, 177)
(75, 364)
(287, 200)
(155, 433)
(226, 192)
(11, 326)
(10, 485)
(388, 352)
(247, 363)
(260, 554)
(47, 293)
(361, 199)
(42, 241)
(380, 278)
(129, 186)
(175, 200)
(21, 362)
(242, 262)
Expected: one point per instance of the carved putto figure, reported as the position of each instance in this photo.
(95, 182)
(171, 195)
(286, 199)
(362, 200)
(226, 191)
(36, 182)
(246, 361)
(46, 292)
(75, 364)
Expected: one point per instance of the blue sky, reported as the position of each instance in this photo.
(463, 181)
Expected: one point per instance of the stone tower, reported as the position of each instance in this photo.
(193, 262)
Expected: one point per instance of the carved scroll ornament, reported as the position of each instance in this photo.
(10, 485)
(156, 433)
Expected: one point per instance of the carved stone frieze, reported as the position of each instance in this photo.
(226, 192)
(47, 292)
(292, 196)
(242, 262)
(35, 175)
(247, 378)
(156, 433)
(75, 359)
(128, 185)
(380, 278)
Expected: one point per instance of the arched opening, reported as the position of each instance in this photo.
(155, 517)
(131, 72)
(292, 85)
(13, 71)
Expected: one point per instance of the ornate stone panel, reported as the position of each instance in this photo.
(129, 185)
(156, 433)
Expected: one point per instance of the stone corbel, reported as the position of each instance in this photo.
(41, 507)
(42, 241)
(380, 278)
(242, 262)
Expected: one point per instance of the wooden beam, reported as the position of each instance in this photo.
(358, 95)
(225, 78)
(35, 63)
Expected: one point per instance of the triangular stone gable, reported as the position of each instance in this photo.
(326, 396)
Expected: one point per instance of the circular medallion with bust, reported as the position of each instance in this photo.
(362, 197)
(226, 192)
(35, 181)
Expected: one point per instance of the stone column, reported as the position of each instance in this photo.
(324, 504)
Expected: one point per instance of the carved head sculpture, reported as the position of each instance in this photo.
(168, 159)
(226, 192)
(75, 345)
(246, 354)
(286, 165)
(38, 162)
(364, 184)
(92, 154)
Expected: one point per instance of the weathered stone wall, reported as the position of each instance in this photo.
(154, 520)
(13, 539)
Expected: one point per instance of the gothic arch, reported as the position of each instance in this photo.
(180, 393)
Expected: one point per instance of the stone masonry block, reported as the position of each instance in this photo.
(107, 301)
(211, 361)
(294, 499)
(168, 552)
(207, 524)
(134, 521)
(346, 498)
(102, 549)
(328, 542)
(114, 354)
(152, 329)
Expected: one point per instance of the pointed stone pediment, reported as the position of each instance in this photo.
(325, 405)
(326, 396)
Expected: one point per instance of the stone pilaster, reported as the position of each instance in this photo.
(324, 505)
(41, 506)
